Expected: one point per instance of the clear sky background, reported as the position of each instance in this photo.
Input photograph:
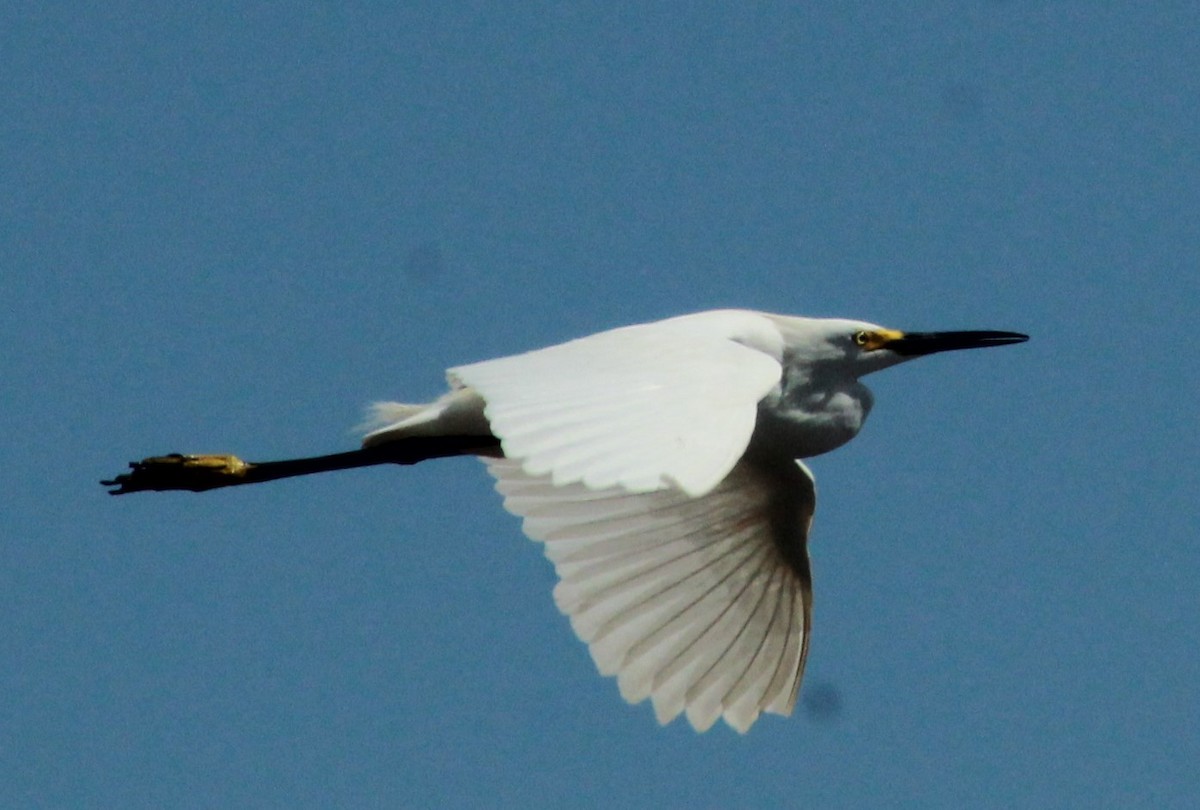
(230, 226)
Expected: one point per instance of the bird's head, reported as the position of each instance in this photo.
(866, 347)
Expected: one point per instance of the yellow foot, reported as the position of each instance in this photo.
(179, 471)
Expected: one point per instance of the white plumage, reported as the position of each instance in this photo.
(643, 407)
(658, 465)
(690, 601)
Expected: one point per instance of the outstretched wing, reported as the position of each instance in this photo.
(665, 404)
(701, 604)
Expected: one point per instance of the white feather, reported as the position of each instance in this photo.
(668, 404)
(699, 603)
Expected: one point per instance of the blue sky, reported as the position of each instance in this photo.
(229, 227)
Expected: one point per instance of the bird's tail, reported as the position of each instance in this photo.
(384, 414)
(458, 413)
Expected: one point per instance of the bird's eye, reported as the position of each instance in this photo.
(861, 338)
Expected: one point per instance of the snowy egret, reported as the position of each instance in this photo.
(659, 464)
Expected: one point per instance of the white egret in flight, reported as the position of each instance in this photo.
(659, 464)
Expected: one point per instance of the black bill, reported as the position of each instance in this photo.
(914, 344)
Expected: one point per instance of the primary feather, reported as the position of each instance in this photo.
(701, 604)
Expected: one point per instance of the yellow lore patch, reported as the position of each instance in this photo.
(878, 338)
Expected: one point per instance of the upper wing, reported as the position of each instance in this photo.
(671, 403)
(701, 604)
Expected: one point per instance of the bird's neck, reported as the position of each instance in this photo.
(812, 414)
